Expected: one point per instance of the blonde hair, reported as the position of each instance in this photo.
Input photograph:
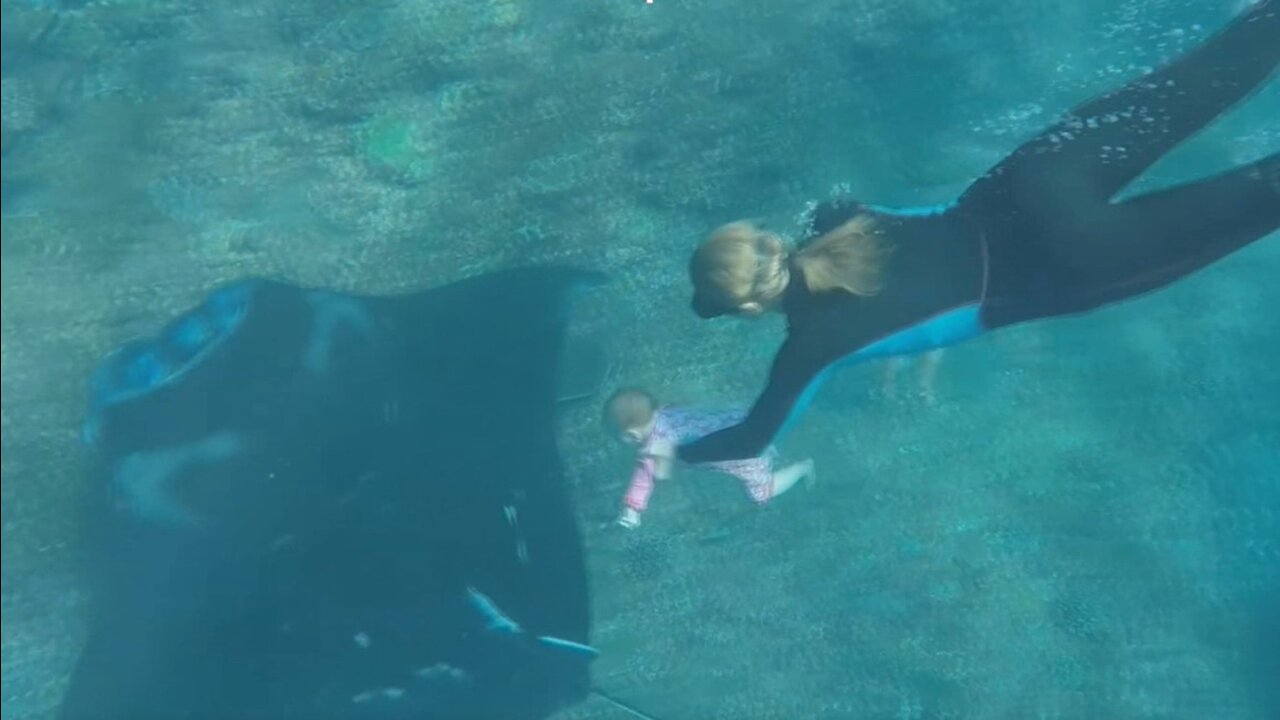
(738, 263)
(741, 263)
(851, 258)
(629, 408)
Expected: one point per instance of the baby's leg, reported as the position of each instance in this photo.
(786, 478)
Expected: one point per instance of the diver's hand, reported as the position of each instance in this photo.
(629, 519)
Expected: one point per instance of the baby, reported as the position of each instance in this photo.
(638, 419)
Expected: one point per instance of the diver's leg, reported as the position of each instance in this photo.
(1152, 240)
(1102, 145)
(889, 383)
(1166, 235)
(928, 374)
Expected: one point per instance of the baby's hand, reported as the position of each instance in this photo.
(629, 519)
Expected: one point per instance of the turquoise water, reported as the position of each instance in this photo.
(1083, 523)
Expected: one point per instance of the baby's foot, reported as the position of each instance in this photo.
(810, 475)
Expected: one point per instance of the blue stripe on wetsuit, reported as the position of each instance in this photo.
(915, 211)
(949, 328)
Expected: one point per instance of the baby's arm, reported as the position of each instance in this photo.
(661, 467)
(637, 497)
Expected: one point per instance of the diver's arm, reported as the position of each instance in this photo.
(792, 373)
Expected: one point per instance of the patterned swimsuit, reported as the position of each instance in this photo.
(679, 425)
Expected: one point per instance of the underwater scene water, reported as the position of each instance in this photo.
(280, 351)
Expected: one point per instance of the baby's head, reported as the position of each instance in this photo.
(630, 414)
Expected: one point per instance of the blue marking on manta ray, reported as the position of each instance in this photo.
(145, 366)
(192, 334)
(332, 312)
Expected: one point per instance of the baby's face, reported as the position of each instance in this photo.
(637, 435)
(634, 435)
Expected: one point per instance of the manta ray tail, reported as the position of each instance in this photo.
(624, 707)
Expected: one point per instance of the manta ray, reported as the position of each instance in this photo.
(309, 504)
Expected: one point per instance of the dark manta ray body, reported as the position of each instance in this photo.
(319, 505)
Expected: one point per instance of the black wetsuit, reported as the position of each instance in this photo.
(1038, 236)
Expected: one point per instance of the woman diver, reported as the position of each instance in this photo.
(1037, 236)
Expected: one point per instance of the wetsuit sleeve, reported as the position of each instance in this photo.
(791, 375)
